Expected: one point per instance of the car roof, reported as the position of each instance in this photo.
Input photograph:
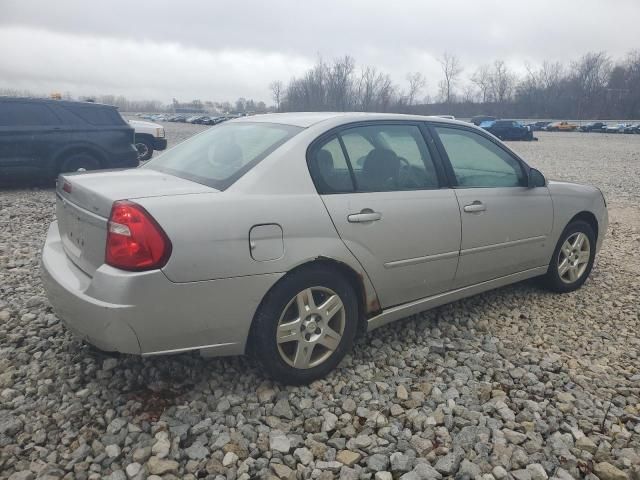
(51, 100)
(307, 119)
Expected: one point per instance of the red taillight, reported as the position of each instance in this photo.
(135, 241)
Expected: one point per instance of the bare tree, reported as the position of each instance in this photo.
(276, 92)
(501, 81)
(416, 83)
(482, 80)
(451, 69)
(469, 94)
(589, 75)
(339, 83)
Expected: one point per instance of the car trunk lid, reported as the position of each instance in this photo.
(84, 203)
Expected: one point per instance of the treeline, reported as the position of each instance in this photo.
(592, 86)
(241, 105)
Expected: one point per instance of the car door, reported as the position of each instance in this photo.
(382, 187)
(26, 131)
(16, 136)
(505, 224)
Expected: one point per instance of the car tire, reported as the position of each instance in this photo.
(79, 162)
(311, 344)
(572, 259)
(145, 148)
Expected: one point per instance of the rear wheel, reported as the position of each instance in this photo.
(305, 325)
(79, 162)
(572, 259)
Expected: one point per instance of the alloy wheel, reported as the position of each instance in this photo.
(311, 327)
(573, 258)
(143, 150)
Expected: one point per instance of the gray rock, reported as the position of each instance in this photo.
(280, 443)
(499, 472)
(422, 471)
(448, 464)
(401, 463)
(117, 475)
(303, 455)
(201, 427)
(537, 471)
(468, 469)
(133, 469)
(330, 421)
(22, 475)
(383, 476)
(607, 471)
(521, 474)
(282, 409)
(197, 451)
(230, 459)
(378, 462)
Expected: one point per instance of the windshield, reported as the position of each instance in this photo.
(222, 154)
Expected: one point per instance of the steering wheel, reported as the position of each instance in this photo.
(410, 175)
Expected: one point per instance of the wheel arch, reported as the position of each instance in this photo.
(366, 307)
(76, 149)
(587, 217)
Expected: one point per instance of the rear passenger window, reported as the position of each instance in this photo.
(96, 115)
(329, 169)
(26, 114)
(389, 158)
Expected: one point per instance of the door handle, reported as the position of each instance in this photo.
(365, 215)
(476, 206)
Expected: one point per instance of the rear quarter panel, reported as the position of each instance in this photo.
(210, 233)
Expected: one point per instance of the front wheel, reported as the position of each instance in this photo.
(572, 258)
(145, 149)
(305, 325)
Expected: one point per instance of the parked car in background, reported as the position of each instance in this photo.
(561, 127)
(508, 130)
(194, 118)
(615, 128)
(592, 127)
(44, 137)
(148, 137)
(478, 119)
(346, 222)
(634, 128)
(538, 126)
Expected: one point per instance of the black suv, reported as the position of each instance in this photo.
(508, 130)
(47, 137)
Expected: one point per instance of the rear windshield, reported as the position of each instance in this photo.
(222, 154)
(96, 115)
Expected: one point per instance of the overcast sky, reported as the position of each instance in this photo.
(221, 50)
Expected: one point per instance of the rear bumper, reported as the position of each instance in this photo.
(144, 312)
(98, 322)
(159, 143)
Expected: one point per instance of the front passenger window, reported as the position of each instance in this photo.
(478, 162)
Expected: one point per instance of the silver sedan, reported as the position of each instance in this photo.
(286, 235)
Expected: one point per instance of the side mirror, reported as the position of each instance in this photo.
(536, 178)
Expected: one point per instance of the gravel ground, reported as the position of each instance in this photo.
(516, 383)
